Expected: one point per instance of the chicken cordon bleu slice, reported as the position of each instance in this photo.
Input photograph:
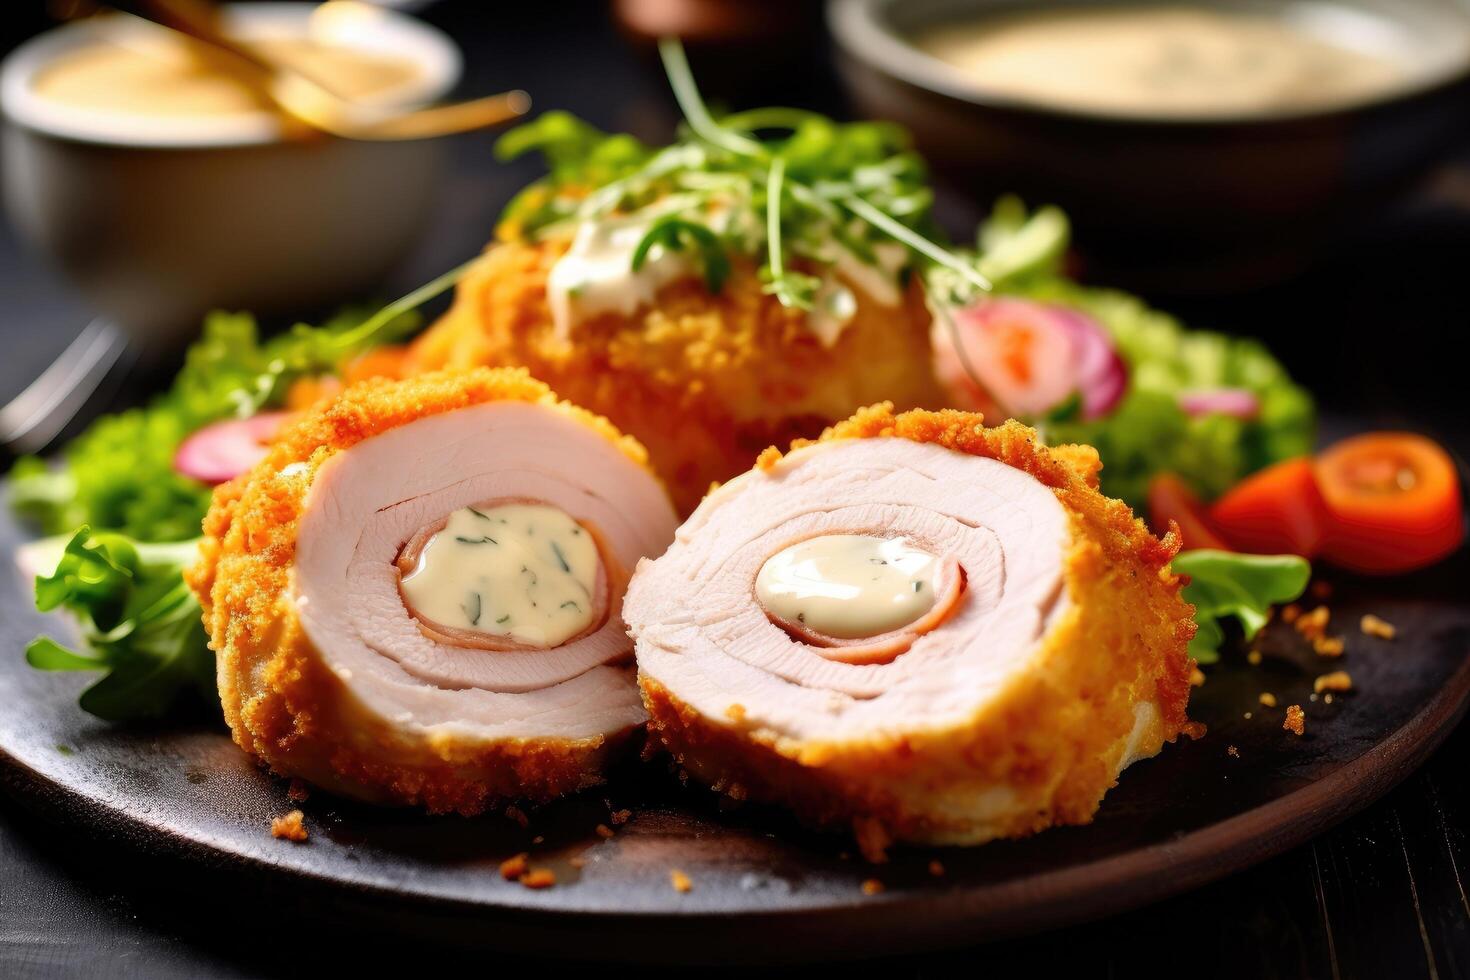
(916, 627)
(416, 597)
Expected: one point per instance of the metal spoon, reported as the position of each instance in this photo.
(309, 101)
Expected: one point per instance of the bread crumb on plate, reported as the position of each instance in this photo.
(539, 878)
(513, 868)
(1381, 628)
(290, 827)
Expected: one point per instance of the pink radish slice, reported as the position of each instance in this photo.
(1026, 359)
(1102, 376)
(1237, 403)
(224, 450)
(1020, 354)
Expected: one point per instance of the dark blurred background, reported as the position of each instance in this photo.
(1372, 325)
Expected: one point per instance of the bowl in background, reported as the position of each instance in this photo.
(1176, 203)
(158, 220)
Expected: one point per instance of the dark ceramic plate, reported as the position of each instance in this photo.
(762, 888)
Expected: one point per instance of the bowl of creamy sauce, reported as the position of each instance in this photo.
(128, 81)
(155, 173)
(1172, 61)
(1206, 59)
(1180, 129)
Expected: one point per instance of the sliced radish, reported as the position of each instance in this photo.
(1025, 359)
(1235, 402)
(224, 450)
(1102, 377)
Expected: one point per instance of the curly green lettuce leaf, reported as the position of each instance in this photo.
(1224, 585)
(140, 625)
(580, 158)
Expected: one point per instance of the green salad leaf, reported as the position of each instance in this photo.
(140, 624)
(1224, 585)
(119, 474)
(1148, 432)
(120, 574)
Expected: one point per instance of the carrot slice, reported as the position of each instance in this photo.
(1276, 511)
(1393, 501)
(1171, 499)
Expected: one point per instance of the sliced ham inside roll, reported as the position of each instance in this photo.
(417, 596)
(916, 627)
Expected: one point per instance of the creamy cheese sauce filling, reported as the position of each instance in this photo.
(522, 571)
(849, 586)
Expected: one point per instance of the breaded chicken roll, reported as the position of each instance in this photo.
(704, 381)
(918, 627)
(417, 596)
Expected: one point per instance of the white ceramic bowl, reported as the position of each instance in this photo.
(156, 220)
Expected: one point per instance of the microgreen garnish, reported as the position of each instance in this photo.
(681, 80)
(675, 234)
(792, 288)
(318, 352)
(787, 187)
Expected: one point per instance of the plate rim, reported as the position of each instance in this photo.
(950, 917)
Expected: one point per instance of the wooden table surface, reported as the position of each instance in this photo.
(1372, 331)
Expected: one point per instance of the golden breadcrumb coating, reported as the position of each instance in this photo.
(1055, 737)
(283, 705)
(705, 382)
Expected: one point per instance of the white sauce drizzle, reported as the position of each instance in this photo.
(596, 274)
(849, 586)
(524, 571)
(835, 304)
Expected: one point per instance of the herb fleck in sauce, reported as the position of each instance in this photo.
(531, 581)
